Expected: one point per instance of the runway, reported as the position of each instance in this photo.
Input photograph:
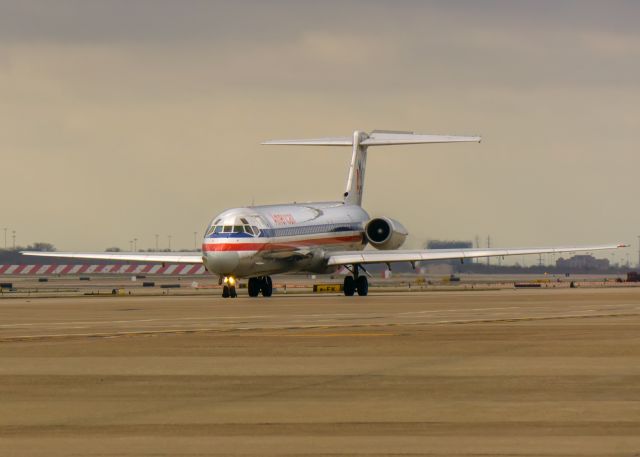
(512, 372)
(112, 316)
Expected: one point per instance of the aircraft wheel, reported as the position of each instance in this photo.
(349, 286)
(267, 286)
(232, 292)
(253, 287)
(225, 292)
(362, 285)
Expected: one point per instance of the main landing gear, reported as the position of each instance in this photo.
(356, 283)
(261, 284)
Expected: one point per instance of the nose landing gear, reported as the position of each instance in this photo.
(229, 288)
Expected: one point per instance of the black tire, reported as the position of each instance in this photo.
(225, 292)
(253, 287)
(362, 285)
(349, 287)
(267, 286)
(232, 292)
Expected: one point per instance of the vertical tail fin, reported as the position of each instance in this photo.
(355, 182)
(360, 142)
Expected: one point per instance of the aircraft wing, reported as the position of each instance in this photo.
(359, 257)
(165, 257)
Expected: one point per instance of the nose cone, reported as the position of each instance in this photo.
(222, 262)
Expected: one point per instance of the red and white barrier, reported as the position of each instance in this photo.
(128, 269)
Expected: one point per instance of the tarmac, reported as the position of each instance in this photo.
(504, 372)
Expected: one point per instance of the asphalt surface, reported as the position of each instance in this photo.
(512, 372)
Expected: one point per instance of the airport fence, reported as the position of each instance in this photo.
(112, 269)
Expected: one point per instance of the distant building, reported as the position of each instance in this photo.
(448, 244)
(583, 263)
(437, 267)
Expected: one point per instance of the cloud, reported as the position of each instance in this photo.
(150, 113)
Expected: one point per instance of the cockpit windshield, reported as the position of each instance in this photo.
(248, 229)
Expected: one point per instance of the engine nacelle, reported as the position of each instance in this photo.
(385, 233)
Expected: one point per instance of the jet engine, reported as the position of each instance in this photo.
(385, 233)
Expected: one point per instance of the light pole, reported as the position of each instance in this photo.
(135, 244)
(169, 238)
(5, 238)
(13, 234)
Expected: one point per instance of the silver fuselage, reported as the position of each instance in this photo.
(264, 240)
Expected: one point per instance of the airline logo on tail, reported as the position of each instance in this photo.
(359, 177)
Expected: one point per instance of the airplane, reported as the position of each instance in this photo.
(255, 242)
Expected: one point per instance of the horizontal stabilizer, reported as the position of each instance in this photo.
(378, 138)
(335, 141)
(384, 139)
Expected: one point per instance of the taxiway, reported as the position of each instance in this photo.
(511, 372)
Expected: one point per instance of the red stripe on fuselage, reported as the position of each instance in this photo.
(279, 246)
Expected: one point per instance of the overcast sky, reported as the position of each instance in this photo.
(123, 119)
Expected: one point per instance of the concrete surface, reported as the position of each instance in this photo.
(513, 372)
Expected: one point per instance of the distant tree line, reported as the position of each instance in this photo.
(480, 267)
(13, 256)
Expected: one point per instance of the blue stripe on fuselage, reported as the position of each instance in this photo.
(309, 230)
(294, 231)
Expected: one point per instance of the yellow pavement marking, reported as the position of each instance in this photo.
(312, 335)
